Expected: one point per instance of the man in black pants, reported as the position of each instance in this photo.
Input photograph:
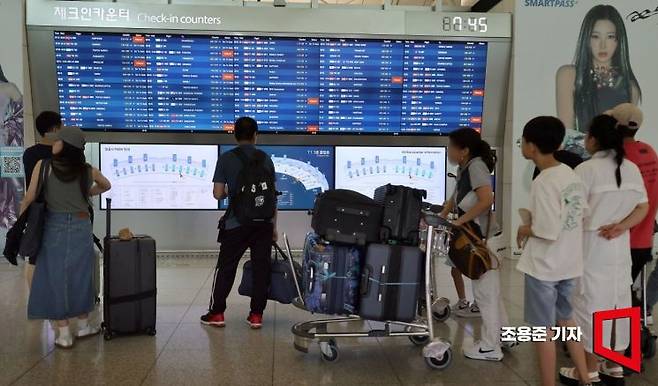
(236, 238)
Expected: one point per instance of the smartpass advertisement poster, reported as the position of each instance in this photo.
(577, 59)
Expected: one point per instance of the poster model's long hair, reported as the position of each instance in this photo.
(585, 94)
(3, 79)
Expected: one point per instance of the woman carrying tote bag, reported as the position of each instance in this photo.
(472, 202)
(62, 286)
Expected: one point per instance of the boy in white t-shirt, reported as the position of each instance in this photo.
(553, 253)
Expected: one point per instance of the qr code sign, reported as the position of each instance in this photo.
(11, 167)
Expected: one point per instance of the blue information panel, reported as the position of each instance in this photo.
(170, 82)
(302, 172)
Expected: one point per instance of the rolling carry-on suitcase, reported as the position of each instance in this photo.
(330, 277)
(346, 217)
(129, 284)
(401, 213)
(391, 282)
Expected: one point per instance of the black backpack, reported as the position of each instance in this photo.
(254, 199)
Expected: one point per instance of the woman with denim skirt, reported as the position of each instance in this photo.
(62, 287)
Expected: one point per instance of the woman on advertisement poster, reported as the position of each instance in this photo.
(11, 134)
(600, 78)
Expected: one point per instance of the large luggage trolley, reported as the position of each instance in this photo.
(436, 351)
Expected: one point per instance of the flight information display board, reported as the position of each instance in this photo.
(364, 169)
(170, 82)
(302, 172)
(159, 176)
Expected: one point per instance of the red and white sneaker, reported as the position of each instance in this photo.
(211, 319)
(255, 321)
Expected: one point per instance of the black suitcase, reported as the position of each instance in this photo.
(402, 212)
(391, 282)
(129, 284)
(346, 216)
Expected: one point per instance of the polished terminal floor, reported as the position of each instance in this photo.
(187, 353)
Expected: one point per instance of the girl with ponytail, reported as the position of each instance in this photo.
(617, 201)
(472, 202)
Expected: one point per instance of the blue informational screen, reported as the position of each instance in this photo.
(365, 168)
(302, 172)
(170, 82)
(156, 176)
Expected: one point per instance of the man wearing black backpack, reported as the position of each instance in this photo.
(246, 176)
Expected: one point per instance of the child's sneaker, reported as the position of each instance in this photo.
(461, 305)
(471, 312)
(211, 319)
(478, 352)
(509, 345)
(255, 321)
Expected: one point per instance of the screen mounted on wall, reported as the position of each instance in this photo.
(168, 82)
(302, 172)
(159, 176)
(364, 169)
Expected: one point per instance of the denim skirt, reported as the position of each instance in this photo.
(62, 285)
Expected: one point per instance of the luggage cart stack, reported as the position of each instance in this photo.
(436, 351)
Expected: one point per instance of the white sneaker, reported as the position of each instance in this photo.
(478, 352)
(471, 312)
(509, 345)
(87, 331)
(461, 305)
(64, 338)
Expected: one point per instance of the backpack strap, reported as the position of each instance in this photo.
(242, 156)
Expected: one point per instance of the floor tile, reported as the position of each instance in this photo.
(71, 367)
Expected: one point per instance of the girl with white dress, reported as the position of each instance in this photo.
(617, 201)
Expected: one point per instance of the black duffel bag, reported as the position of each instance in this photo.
(348, 217)
(283, 288)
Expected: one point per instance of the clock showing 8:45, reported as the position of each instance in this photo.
(465, 24)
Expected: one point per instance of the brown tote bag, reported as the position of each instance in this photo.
(469, 253)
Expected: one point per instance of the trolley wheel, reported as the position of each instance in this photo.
(443, 315)
(419, 340)
(329, 351)
(440, 363)
(151, 331)
(108, 336)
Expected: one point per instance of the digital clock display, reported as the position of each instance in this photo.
(465, 24)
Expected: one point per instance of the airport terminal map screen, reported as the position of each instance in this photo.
(169, 82)
(159, 176)
(302, 172)
(364, 169)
